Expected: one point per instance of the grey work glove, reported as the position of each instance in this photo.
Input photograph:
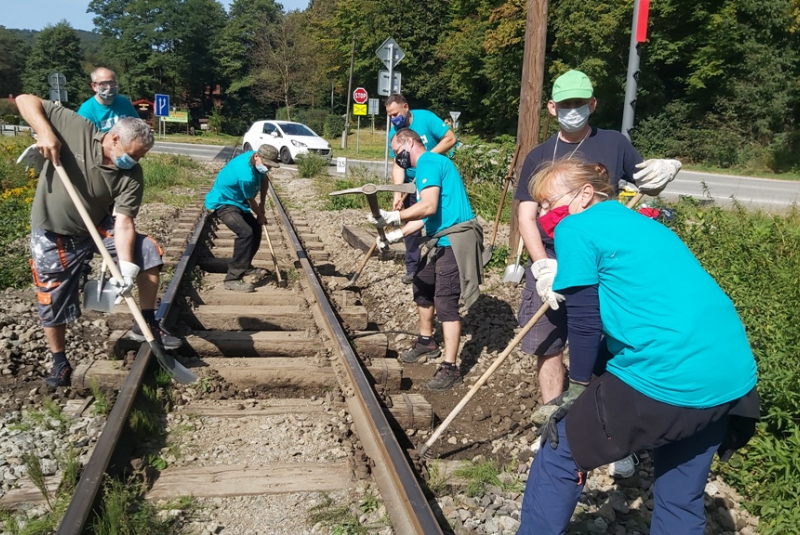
(561, 405)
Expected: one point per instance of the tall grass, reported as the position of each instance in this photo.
(17, 188)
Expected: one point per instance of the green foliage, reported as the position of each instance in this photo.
(216, 121)
(16, 196)
(333, 127)
(356, 201)
(13, 52)
(478, 475)
(126, 512)
(162, 172)
(310, 165)
(57, 49)
(755, 258)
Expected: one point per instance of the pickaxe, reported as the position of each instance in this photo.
(371, 191)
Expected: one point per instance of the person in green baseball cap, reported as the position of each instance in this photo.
(572, 102)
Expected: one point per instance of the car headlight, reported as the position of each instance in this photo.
(298, 144)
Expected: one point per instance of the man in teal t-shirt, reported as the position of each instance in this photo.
(106, 107)
(437, 137)
(231, 199)
(453, 267)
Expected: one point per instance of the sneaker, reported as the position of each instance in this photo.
(163, 337)
(408, 278)
(239, 286)
(446, 376)
(256, 272)
(420, 353)
(623, 468)
(59, 375)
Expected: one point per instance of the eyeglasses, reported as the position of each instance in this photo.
(105, 85)
(548, 203)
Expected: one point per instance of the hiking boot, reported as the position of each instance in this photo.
(161, 335)
(408, 278)
(420, 353)
(623, 468)
(446, 376)
(239, 286)
(256, 272)
(59, 375)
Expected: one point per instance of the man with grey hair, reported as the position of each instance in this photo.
(105, 170)
(106, 107)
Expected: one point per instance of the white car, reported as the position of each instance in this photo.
(291, 139)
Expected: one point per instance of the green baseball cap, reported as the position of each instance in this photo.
(572, 84)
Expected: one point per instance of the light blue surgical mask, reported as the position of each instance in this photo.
(261, 168)
(573, 119)
(125, 161)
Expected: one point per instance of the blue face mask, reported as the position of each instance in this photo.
(125, 161)
(398, 121)
(261, 169)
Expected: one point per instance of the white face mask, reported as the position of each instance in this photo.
(572, 120)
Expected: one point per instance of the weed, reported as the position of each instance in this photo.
(369, 503)
(478, 475)
(33, 465)
(101, 406)
(70, 465)
(340, 518)
(293, 274)
(125, 512)
(437, 479)
(310, 165)
(357, 201)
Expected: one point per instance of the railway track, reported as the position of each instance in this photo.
(288, 365)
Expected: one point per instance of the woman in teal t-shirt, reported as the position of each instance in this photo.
(679, 374)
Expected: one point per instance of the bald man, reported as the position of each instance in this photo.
(106, 107)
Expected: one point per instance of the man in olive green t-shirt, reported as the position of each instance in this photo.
(105, 171)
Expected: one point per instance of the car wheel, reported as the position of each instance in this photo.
(286, 156)
(247, 147)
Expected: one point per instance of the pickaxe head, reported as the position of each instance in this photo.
(371, 189)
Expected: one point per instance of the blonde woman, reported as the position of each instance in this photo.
(679, 377)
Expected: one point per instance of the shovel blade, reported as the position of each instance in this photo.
(172, 366)
(514, 274)
(97, 297)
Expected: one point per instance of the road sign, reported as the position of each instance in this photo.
(359, 109)
(390, 53)
(57, 80)
(162, 105)
(341, 165)
(177, 117)
(374, 103)
(383, 83)
(58, 95)
(360, 95)
(455, 115)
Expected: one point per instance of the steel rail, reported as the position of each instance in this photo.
(82, 502)
(397, 482)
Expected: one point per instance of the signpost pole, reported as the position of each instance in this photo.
(388, 122)
(358, 131)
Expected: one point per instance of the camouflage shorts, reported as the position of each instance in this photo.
(58, 261)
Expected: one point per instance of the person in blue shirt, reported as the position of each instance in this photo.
(452, 269)
(437, 137)
(679, 373)
(106, 107)
(572, 103)
(231, 199)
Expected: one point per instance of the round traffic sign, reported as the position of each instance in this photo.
(360, 95)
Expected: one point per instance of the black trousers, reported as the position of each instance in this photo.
(248, 239)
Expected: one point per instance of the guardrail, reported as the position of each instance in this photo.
(14, 129)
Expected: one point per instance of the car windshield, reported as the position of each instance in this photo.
(296, 129)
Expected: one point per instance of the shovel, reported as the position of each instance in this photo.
(487, 253)
(515, 271)
(97, 296)
(173, 367)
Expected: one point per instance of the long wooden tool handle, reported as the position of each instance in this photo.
(488, 373)
(109, 260)
(636, 198)
(272, 252)
(509, 178)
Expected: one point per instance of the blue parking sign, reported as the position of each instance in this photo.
(162, 105)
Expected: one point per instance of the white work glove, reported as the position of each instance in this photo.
(391, 237)
(387, 218)
(32, 159)
(544, 271)
(123, 287)
(655, 175)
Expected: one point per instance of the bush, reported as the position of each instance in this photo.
(16, 196)
(755, 258)
(334, 126)
(11, 119)
(313, 118)
(310, 165)
(480, 162)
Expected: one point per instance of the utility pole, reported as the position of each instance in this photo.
(641, 10)
(530, 96)
(349, 94)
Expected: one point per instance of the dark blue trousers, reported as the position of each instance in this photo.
(681, 471)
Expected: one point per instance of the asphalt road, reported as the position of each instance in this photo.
(722, 189)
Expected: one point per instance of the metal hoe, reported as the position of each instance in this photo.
(487, 253)
(424, 450)
(173, 367)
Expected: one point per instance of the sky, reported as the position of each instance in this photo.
(37, 14)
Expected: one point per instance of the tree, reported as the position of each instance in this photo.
(13, 52)
(57, 49)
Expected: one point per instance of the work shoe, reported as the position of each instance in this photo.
(408, 278)
(256, 272)
(420, 353)
(239, 286)
(59, 375)
(623, 468)
(446, 376)
(161, 335)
